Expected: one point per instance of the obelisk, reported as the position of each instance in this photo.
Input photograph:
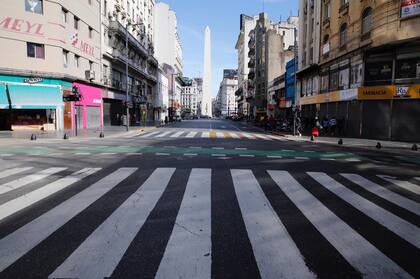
(206, 105)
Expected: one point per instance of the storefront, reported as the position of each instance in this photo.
(31, 103)
(114, 108)
(87, 113)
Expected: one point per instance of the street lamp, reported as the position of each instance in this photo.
(126, 72)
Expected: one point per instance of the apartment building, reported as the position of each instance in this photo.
(227, 104)
(369, 68)
(191, 96)
(50, 49)
(132, 21)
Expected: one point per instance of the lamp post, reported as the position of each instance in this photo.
(126, 72)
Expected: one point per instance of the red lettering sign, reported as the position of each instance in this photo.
(21, 26)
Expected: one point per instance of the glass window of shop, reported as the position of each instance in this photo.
(344, 75)
(325, 79)
(378, 69)
(334, 78)
(356, 75)
(407, 68)
(33, 117)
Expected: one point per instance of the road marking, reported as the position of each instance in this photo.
(220, 135)
(218, 155)
(262, 137)
(234, 135)
(301, 158)
(191, 235)
(190, 154)
(353, 160)
(248, 136)
(20, 182)
(205, 134)
(287, 150)
(6, 155)
(247, 156)
(218, 148)
(191, 134)
(403, 184)
(274, 157)
(196, 147)
(134, 154)
(371, 262)
(12, 247)
(212, 134)
(101, 252)
(82, 153)
(227, 135)
(107, 153)
(327, 159)
(163, 134)
(177, 134)
(309, 151)
(162, 154)
(56, 154)
(28, 199)
(275, 137)
(275, 252)
(383, 192)
(241, 148)
(149, 134)
(14, 171)
(404, 229)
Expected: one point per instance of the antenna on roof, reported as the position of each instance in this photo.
(263, 5)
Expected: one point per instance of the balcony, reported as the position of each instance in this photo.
(116, 27)
(251, 64)
(251, 74)
(344, 9)
(251, 52)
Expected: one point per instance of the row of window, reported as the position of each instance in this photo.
(37, 6)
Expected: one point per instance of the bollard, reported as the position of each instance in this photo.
(312, 138)
(33, 137)
(414, 148)
(66, 136)
(379, 145)
(101, 135)
(340, 141)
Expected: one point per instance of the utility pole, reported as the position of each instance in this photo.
(295, 80)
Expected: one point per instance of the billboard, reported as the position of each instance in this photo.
(410, 8)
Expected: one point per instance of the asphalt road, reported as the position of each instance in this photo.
(207, 199)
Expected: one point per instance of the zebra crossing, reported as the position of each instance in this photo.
(211, 134)
(324, 201)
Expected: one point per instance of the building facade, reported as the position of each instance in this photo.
(227, 104)
(191, 97)
(49, 50)
(134, 21)
(369, 69)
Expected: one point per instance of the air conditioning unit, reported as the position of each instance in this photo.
(90, 75)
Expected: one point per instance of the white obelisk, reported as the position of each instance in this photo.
(206, 105)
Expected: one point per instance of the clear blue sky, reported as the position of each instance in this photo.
(223, 18)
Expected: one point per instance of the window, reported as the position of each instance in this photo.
(367, 20)
(408, 64)
(105, 6)
(90, 2)
(76, 22)
(344, 3)
(65, 58)
(90, 32)
(77, 61)
(343, 34)
(35, 50)
(34, 6)
(327, 11)
(378, 69)
(64, 14)
(91, 65)
(334, 78)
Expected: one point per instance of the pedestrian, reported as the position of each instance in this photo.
(333, 126)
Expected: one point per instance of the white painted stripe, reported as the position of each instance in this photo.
(220, 148)
(327, 159)
(274, 156)
(191, 235)
(162, 154)
(107, 153)
(177, 134)
(6, 155)
(28, 199)
(276, 137)
(403, 184)
(149, 134)
(384, 192)
(56, 154)
(12, 247)
(260, 136)
(246, 135)
(359, 252)
(309, 151)
(190, 154)
(287, 150)
(20, 182)
(205, 134)
(220, 135)
(134, 154)
(14, 171)
(191, 134)
(101, 252)
(82, 153)
(352, 160)
(218, 155)
(163, 134)
(234, 135)
(241, 148)
(301, 158)
(392, 222)
(247, 156)
(275, 252)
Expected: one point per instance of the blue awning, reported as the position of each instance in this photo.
(3, 97)
(35, 96)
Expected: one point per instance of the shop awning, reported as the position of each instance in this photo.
(35, 97)
(3, 97)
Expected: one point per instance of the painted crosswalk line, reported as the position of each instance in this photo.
(383, 192)
(404, 229)
(13, 171)
(30, 198)
(191, 134)
(205, 135)
(403, 184)
(12, 247)
(188, 252)
(164, 134)
(359, 252)
(262, 224)
(101, 252)
(20, 182)
(149, 134)
(177, 134)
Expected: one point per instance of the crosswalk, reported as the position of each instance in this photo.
(211, 135)
(371, 222)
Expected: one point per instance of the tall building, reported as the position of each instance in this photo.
(137, 17)
(369, 69)
(206, 104)
(48, 50)
(168, 51)
(247, 23)
(227, 104)
(190, 96)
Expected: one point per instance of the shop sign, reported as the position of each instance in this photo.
(376, 93)
(326, 48)
(33, 80)
(21, 26)
(410, 8)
